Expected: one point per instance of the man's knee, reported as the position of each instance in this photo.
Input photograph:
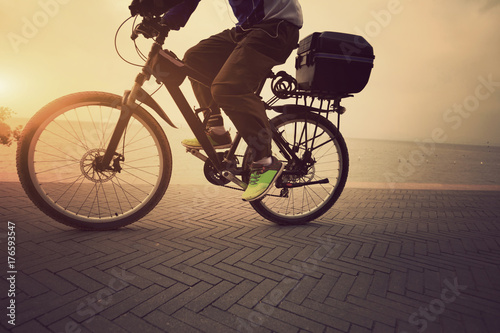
(221, 93)
(190, 56)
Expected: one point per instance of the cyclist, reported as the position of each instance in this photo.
(237, 60)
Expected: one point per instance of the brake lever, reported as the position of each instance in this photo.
(142, 29)
(149, 29)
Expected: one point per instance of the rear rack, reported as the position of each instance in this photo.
(284, 86)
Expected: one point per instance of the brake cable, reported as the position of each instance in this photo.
(116, 44)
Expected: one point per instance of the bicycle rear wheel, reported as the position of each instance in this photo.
(58, 152)
(324, 164)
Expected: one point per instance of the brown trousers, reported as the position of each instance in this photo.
(238, 61)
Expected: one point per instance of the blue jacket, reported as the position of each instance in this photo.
(247, 12)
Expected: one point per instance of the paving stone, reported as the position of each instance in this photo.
(346, 316)
(153, 303)
(126, 305)
(198, 274)
(257, 293)
(175, 275)
(379, 284)
(54, 282)
(316, 321)
(29, 327)
(210, 296)
(102, 325)
(342, 287)
(168, 323)
(359, 288)
(131, 323)
(201, 322)
(80, 280)
(235, 322)
(250, 320)
(234, 295)
(184, 298)
(302, 289)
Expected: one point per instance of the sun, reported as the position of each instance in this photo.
(4, 86)
(7, 88)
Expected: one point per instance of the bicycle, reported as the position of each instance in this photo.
(99, 161)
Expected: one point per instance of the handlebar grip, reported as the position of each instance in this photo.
(149, 29)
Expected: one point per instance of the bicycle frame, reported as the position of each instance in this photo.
(194, 122)
(130, 97)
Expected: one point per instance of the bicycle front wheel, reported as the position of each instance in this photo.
(310, 187)
(59, 150)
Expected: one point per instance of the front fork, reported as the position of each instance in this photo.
(127, 109)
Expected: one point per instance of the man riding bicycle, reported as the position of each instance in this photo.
(237, 60)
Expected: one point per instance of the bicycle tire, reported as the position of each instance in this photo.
(58, 146)
(272, 206)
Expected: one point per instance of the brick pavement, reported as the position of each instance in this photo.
(379, 261)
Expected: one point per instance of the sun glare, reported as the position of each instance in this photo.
(4, 86)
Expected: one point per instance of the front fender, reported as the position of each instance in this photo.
(145, 98)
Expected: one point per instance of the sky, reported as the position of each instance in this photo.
(436, 75)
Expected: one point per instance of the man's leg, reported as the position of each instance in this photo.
(208, 57)
(259, 50)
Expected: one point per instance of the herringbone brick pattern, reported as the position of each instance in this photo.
(379, 261)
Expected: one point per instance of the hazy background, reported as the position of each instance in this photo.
(432, 58)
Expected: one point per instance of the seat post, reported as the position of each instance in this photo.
(270, 75)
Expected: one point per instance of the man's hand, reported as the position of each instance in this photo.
(151, 8)
(149, 29)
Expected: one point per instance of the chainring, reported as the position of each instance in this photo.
(211, 173)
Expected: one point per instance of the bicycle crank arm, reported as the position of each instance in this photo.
(292, 185)
(196, 153)
(229, 176)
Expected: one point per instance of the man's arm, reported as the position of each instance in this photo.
(178, 16)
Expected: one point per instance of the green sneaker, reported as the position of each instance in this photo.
(218, 141)
(262, 177)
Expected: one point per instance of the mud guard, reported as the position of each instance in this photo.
(145, 98)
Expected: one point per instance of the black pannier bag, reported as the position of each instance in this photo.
(333, 63)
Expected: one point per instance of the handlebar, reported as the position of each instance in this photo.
(150, 27)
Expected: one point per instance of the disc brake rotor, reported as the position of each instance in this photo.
(88, 166)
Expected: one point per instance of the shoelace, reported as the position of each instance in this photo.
(255, 176)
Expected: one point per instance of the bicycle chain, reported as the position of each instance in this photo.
(233, 188)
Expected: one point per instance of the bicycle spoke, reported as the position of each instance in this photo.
(136, 187)
(52, 146)
(81, 129)
(117, 198)
(56, 168)
(62, 159)
(78, 140)
(141, 169)
(140, 149)
(125, 192)
(69, 187)
(76, 134)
